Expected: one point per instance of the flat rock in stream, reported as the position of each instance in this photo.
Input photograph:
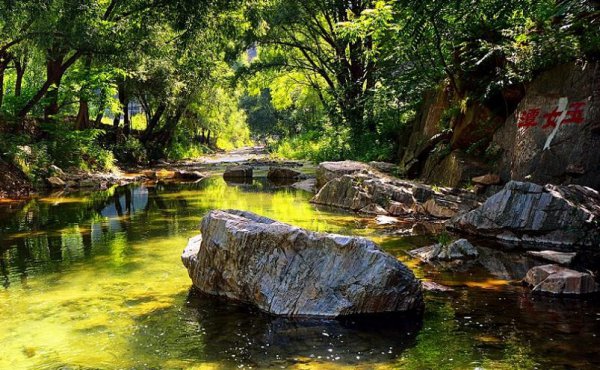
(286, 270)
(567, 217)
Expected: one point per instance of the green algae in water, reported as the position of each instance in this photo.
(95, 281)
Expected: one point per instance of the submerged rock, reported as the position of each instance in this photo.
(308, 185)
(367, 191)
(554, 279)
(238, 172)
(526, 212)
(286, 270)
(460, 249)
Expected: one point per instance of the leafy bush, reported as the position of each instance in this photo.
(130, 151)
(79, 149)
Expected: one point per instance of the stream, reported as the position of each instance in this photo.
(95, 281)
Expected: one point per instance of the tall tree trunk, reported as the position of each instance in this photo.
(83, 115)
(117, 121)
(124, 102)
(20, 67)
(5, 59)
(208, 138)
(154, 122)
(1, 85)
(54, 76)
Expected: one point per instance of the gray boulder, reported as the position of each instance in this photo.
(238, 172)
(460, 249)
(286, 270)
(563, 216)
(328, 171)
(554, 279)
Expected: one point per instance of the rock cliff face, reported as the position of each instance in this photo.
(563, 216)
(541, 146)
(289, 271)
(546, 139)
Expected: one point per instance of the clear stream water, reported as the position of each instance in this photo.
(95, 282)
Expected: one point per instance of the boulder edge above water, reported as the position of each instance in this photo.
(566, 217)
(286, 270)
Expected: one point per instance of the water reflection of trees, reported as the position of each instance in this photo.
(44, 234)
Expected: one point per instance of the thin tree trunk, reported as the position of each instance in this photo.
(1, 85)
(5, 59)
(20, 67)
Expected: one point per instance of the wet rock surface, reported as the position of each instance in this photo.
(565, 217)
(558, 280)
(328, 171)
(562, 258)
(289, 271)
(282, 173)
(459, 249)
(238, 172)
(367, 191)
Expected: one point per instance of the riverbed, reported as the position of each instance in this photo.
(95, 281)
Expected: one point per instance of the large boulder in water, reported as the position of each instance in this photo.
(563, 216)
(286, 270)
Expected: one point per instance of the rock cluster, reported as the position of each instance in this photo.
(563, 216)
(286, 270)
(357, 187)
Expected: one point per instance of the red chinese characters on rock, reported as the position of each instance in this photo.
(530, 118)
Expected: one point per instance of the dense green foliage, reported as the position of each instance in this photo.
(330, 79)
(348, 76)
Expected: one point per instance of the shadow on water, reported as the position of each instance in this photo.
(242, 335)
